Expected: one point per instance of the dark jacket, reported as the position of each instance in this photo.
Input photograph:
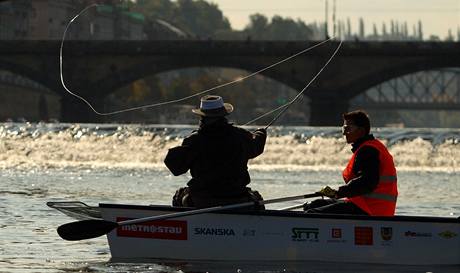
(217, 155)
(366, 168)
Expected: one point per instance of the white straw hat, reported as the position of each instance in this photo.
(213, 106)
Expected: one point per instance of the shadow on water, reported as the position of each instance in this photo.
(27, 192)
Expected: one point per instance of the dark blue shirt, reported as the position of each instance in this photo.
(365, 168)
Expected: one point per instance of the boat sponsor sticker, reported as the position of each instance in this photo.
(249, 232)
(447, 234)
(164, 229)
(364, 236)
(211, 231)
(410, 233)
(336, 236)
(386, 233)
(301, 234)
(336, 233)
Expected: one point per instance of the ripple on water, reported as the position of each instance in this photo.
(96, 172)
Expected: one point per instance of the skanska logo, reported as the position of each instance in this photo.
(214, 231)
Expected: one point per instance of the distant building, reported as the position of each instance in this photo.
(107, 22)
(48, 19)
(14, 19)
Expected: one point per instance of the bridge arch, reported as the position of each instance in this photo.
(252, 98)
(26, 72)
(357, 67)
(121, 78)
(362, 84)
(415, 99)
(22, 98)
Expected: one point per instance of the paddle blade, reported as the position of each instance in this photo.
(85, 229)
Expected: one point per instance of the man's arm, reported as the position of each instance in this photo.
(179, 159)
(258, 138)
(366, 168)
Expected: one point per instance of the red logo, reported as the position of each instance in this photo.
(336, 233)
(165, 229)
(364, 236)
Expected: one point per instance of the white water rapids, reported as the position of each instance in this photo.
(26, 146)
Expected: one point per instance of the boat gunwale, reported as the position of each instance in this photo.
(296, 214)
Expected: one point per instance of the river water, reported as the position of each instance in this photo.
(123, 164)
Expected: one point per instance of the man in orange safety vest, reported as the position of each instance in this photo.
(370, 175)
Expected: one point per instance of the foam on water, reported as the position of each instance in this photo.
(28, 146)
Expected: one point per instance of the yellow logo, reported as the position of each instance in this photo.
(447, 234)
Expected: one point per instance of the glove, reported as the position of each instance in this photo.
(328, 192)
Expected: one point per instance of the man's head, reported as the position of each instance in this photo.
(356, 124)
(213, 106)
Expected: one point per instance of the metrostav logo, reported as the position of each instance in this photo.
(164, 229)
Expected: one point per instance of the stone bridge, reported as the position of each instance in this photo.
(94, 69)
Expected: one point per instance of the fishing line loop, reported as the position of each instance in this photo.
(176, 100)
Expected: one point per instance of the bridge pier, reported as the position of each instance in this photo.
(75, 110)
(327, 111)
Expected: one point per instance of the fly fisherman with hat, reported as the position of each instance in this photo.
(217, 155)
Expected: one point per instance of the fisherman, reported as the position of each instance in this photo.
(217, 155)
(370, 176)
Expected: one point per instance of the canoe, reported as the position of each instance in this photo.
(284, 236)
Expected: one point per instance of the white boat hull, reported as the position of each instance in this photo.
(283, 236)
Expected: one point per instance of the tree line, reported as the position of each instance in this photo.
(204, 20)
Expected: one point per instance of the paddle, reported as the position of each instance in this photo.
(298, 206)
(88, 229)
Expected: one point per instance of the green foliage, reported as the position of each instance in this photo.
(279, 28)
(201, 17)
(258, 24)
(205, 20)
(198, 17)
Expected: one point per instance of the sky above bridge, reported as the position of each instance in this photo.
(437, 15)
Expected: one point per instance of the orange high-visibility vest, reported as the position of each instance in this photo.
(382, 201)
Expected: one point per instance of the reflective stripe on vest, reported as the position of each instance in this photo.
(388, 179)
(381, 196)
(382, 201)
